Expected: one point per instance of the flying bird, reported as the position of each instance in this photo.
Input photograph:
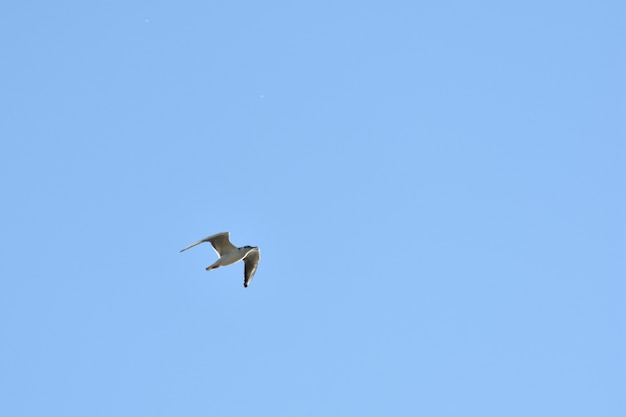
(229, 254)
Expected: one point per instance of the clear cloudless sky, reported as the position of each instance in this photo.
(438, 189)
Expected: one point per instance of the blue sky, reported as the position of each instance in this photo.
(437, 189)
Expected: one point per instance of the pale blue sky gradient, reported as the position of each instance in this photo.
(438, 190)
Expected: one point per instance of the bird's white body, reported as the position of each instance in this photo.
(229, 254)
(231, 257)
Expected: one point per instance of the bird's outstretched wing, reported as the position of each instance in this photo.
(220, 243)
(251, 262)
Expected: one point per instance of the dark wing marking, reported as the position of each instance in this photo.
(251, 262)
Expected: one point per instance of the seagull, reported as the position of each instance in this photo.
(229, 254)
